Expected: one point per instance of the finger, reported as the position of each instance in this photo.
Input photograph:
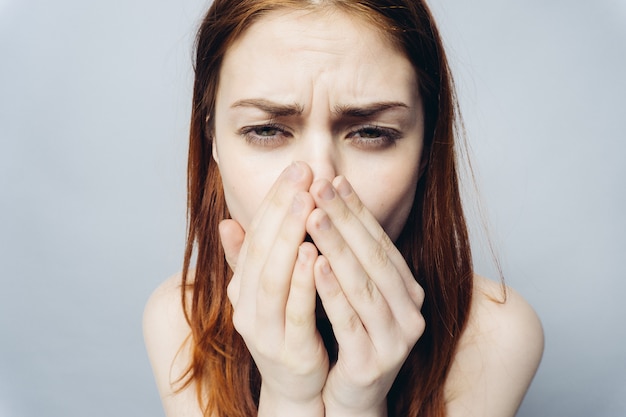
(350, 198)
(392, 321)
(361, 291)
(275, 280)
(258, 241)
(345, 208)
(231, 236)
(347, 326)
(300, 323)
(370, 280)
(296, 177)
(265, 225)
(364, 357)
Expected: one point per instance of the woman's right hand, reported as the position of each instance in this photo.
(273, 296)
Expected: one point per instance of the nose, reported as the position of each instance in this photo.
(322, 155)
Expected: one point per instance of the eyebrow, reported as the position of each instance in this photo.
(368, 110)
(270, 107)
(281, 110)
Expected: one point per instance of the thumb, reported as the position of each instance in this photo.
(232, 236)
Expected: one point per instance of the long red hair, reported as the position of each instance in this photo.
(434, 240)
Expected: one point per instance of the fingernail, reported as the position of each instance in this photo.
(327, 192)
(324, 223)
(295, 171)
(344, 189)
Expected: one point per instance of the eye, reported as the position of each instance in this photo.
(267, 135)
(373, 137)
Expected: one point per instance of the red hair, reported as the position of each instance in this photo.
(434, 240)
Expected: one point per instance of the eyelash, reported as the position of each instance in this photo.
(251, 135)
(383, 137)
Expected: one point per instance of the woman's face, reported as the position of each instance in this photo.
(326, 89)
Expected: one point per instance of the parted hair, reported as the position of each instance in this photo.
(434, 240)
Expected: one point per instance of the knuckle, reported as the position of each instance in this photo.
(369, 376)
(300, 284)
(339, 248)
(357, 205)
(232, 292)
(417, 293)
(385, 241)
(290, 233)
(368, 291)
(269, 285)
(296, 319)
(415, 326)
(378, 255)
(279, 198)
(350, 323)
(344, 214)
(239, 322)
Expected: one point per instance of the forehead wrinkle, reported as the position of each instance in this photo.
(348, 73)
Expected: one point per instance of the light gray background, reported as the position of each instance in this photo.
(94, 105)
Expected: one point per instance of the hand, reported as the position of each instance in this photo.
(370, 297)
(273, 296)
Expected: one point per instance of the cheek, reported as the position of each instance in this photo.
(244, 190)
(246, 178)
(243, 198)
(390, 201)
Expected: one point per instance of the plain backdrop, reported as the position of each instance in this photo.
(94, 108)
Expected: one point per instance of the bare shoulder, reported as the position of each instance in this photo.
(167, 340)
(498, 354)
(164, 316)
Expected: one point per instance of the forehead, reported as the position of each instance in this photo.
(286, 51)
(297, 28)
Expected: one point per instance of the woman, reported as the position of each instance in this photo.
(333, 273)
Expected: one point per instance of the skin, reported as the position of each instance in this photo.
(326, 76)
(338, 98)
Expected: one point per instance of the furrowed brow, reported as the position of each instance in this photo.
(368, 110)
(270, 107)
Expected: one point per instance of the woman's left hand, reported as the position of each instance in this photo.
(370, 297)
